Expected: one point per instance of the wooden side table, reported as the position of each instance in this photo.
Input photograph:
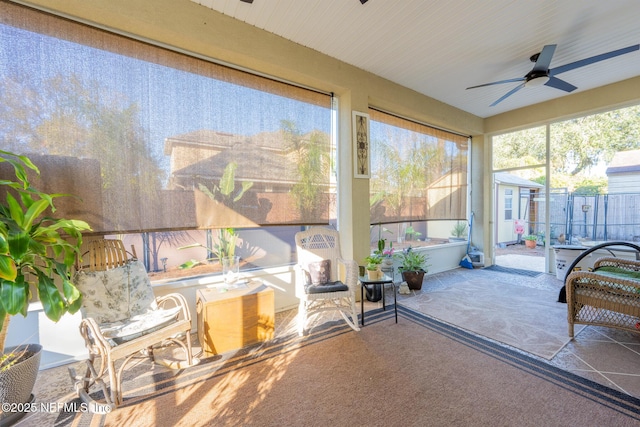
(235, 318)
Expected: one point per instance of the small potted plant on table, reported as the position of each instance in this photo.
(373, 271)
(373, 266)
(374, 293)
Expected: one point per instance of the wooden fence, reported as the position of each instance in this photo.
(574, 217)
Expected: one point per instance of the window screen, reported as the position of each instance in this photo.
(151, 139)
(417, 172)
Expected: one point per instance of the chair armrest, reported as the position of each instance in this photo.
(626, 264)
(90, 331)
(601, 282)
(300, 280)
(178, 300)
(351, 272)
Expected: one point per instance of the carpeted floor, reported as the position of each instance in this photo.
(418, 372)
(527, 318)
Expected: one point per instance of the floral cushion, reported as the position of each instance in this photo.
(138, 325)
(116, 294)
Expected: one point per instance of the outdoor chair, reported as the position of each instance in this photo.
(608, 295)
(121, 319)
(324, 280)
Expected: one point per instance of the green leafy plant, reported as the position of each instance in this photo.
(411, 260)
(459, 230)
(412, 233)
(224, 191)
(7, 360)
(225, 247)
(372, 266)
(382, 242)
(35, 247)
(530, 237)
(374, 258)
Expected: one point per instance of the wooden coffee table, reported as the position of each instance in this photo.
(234, 318)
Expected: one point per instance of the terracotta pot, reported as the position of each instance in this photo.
(531, 244)
(413, 279)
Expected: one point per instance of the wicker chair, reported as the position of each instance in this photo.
(324, 280)
(122, 319)
(609, 295)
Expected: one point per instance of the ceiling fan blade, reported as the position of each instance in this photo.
(508, 94)
(519, 79)
(544, 58)
(560, 84)
(593, 59)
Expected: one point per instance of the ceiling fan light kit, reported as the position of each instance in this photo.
(537, 81)
(542, 75)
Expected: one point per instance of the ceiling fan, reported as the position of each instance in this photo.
(541, 74)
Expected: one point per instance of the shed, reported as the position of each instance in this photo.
(514, 200)
(623, 173)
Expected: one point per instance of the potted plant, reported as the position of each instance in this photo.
(530, 241)
(374, 291)
(458, 232)
(35, 249)
(224, 248)
(375, 259)
(413, 266)
(373, 271)
(387, 256)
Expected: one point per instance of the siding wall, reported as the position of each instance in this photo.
(624, 183)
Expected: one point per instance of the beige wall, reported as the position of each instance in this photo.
(184, 25)
(617, 95)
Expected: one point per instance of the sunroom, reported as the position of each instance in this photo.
(190, 135)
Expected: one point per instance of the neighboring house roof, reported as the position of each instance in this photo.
(254, 164)
(508, 179)
(207, 138)
(204, 154)
(202, 138)
(624, 162)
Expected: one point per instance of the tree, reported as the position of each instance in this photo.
(522, 148)
(577, 145)
(591, 186)
(581, 143)
(405, 167)
(312, 159)
(66, 115)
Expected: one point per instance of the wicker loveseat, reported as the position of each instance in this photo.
(609, 295)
